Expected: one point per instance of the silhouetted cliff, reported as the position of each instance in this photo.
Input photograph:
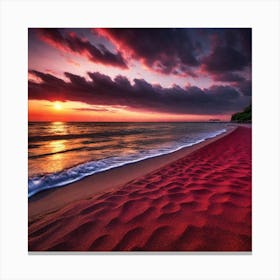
(245, 116)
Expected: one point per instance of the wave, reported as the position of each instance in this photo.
(76, 173)
(41, 138)
(67, 151)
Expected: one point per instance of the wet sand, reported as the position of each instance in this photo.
(196, 199)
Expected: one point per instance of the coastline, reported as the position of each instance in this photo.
(42, 176)
(199, 202)
(50, 200)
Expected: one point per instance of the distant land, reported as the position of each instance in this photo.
(137, 140)
(245, 116)
(214, 120)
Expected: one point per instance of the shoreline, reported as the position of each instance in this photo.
(197, 201)
(125, 161)
(51, 200)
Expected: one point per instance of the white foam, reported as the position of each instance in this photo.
(76, 173)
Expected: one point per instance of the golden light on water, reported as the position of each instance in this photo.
(58, 128)
(57, 159)
(57, 146)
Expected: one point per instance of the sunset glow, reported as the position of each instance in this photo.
(57, 106)
(134, 142)
(138, 74)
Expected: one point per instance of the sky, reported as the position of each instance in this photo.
(138, 74)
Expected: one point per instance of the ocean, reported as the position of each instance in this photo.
(60, 153)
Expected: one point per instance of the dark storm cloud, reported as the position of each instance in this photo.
(228, 77)
(231, 51)
(225, 59)
(70, 42)
(245, 87)
(223, 54)
(166, 50)
(142, 96)
(246, 41)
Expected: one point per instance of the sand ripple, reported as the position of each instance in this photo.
(199, 203)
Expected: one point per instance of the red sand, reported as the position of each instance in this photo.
(201, 202)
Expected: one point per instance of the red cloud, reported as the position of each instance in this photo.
(71, 43)
(164, 50)
(141, 95)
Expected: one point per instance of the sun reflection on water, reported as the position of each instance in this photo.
(57, 146)
(58, 128)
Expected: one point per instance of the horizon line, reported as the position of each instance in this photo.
(31, 121)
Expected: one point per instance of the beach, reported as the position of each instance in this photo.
(195, 199)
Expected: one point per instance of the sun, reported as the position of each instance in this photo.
(57, 106)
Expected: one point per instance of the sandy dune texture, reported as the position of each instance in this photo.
(201, 202)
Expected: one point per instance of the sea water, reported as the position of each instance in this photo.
(60, 153)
